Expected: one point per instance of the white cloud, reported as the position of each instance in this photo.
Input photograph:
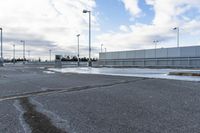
(124, 28)
(132, 7)
(168, 14)
(46, 23)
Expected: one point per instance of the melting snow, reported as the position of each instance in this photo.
(136, 72)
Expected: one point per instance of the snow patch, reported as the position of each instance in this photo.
(135, 72)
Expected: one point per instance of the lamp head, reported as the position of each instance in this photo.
(85, 11)
(23, 41)
(175, 28)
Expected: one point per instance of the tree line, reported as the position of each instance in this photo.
(63, 59)
(75, 58)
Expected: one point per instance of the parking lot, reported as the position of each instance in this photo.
(32, 99)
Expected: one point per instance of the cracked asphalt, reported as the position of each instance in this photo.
(38, 102)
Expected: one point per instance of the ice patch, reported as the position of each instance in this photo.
(48, 72)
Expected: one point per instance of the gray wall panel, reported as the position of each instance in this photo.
(122, 55)
(188, 52)
(197, 51)
(150, 53)
(173, 52)
(170, 57)
(130, 54)
(162, 53)
(140, 54)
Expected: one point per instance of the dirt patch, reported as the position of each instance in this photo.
(184, 73)
(38, 122)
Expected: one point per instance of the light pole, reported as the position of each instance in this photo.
(1, 62)
(24, 58)
(101, 48)
(13, 53)
(178, 35)
(105, 50)
(78, 50)
(156, 43)
(29, 54)
(50, 55)
(86, 11)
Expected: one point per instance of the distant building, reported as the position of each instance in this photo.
(184, 57)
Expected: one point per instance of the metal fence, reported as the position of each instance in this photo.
(62, 64)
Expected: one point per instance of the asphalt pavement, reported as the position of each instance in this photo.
(37, 101)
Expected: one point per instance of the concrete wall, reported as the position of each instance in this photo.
(164, 57)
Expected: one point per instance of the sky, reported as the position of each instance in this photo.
(117, 24)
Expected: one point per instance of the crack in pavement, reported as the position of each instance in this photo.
(18, 96)
(38, 122)
(73, 89)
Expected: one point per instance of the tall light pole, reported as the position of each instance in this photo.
(13, 53)
(178, 35)
(24, 58)
(29, 54)
(105, 50)
(156, 43)
(50, 55)
(86, 11)
(78, 50)
(1, 62)
(101, 48)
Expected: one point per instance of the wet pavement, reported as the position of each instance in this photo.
(35, 100)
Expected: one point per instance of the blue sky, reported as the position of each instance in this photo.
(154, 21)
(112, 14)
(109, 12)
(118, 24)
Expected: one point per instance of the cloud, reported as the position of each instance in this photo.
(132, 7)
(124, 28)
(54, 24)
(168, 14)
(45, 24)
